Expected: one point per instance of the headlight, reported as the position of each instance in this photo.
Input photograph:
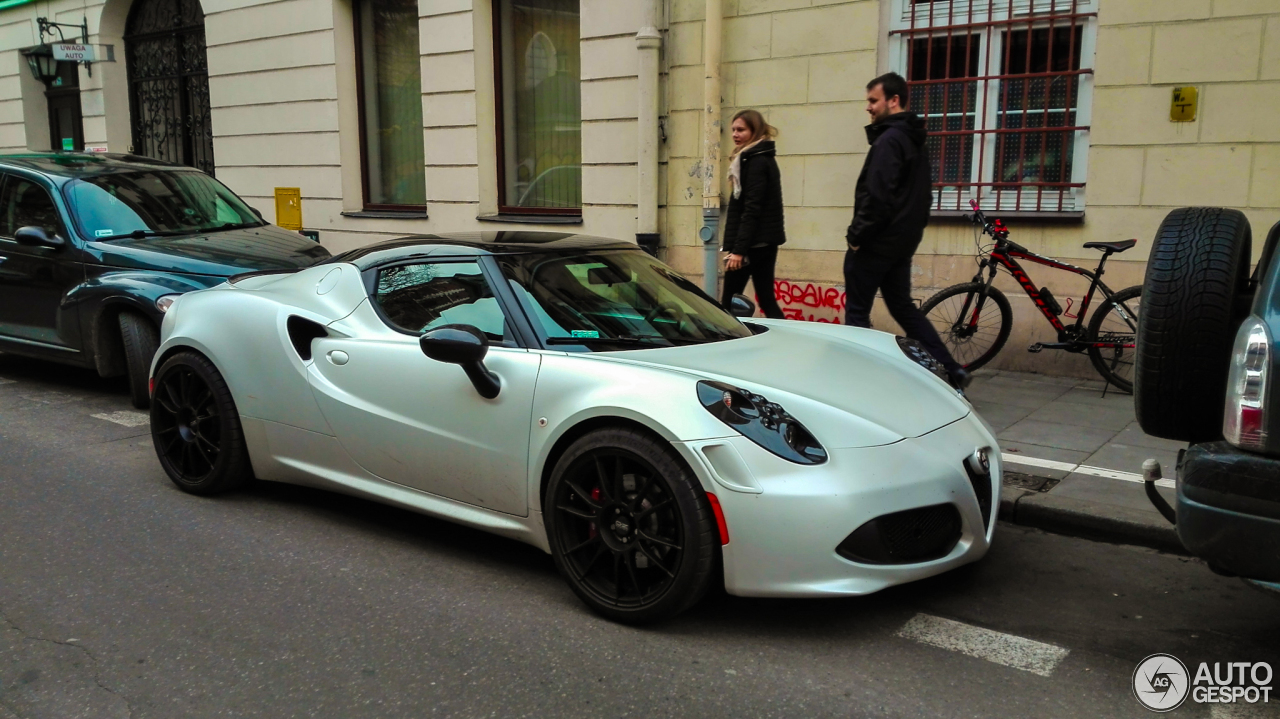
(165, 302)
(918, 354)
(761, 421)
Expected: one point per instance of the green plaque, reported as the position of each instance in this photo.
(68, 144)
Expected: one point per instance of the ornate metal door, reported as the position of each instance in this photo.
(169, 82)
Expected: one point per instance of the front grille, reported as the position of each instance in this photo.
(914, 535)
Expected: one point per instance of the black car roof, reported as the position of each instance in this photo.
(476, 243)
(71, 165)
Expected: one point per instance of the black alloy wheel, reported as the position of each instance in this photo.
(195, 428)
(630, 528)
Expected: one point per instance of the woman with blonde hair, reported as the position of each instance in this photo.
(753, 227)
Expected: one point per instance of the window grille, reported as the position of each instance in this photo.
(1004, 87)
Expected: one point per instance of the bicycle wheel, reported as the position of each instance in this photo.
(973, 338)
(1113, 333)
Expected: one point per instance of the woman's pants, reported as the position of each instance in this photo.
(760, 272)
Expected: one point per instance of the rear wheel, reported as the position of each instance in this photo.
(141, 339)
(974, 336)
(195, 428)
(630, 528)
(1115, 324)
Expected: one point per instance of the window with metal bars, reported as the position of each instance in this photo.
(1004, 87)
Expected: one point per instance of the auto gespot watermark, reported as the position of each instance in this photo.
(1161, 683)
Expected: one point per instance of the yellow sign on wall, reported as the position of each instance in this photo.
(1183, 107)
(289, 208)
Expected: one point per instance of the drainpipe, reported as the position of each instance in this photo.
(711, 147)
(648, 43)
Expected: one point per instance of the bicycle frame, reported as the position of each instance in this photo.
(1006, 254)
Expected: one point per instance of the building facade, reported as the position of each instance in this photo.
(396, 117)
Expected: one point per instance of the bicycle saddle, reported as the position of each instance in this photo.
(1110, 246)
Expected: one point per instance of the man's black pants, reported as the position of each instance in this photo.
(864, 273)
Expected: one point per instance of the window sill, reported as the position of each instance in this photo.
(387, 214)
(533, 219)
(1054, 218)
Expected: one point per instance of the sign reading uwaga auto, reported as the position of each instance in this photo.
(73, 52)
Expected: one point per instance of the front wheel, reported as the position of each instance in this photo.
(140, 338)
(1113, 336)
(973, 331)
(630, 527)
(195, 427)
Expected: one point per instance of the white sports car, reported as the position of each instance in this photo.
(579, 395)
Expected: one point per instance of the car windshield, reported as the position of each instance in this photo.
(612, 300)
(155, 202)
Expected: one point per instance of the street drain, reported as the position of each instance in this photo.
(1031, 482)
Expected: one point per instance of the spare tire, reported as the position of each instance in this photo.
(1196, 274)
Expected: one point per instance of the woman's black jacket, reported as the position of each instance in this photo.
(755, 216)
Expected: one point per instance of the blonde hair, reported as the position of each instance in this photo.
(760, 130)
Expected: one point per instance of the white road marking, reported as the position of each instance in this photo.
(1025, 654)
(128, 419)
(1081, 469)
(8, 381)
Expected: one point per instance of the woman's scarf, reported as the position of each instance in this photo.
(735, 167)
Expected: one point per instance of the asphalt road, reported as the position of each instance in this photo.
(120, 596)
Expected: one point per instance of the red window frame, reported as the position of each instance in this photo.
(999, 84)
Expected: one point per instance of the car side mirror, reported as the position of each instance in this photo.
(257, 212)
(740, 306)
(33, 236)
(466, 347)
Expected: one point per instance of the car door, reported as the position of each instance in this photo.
(34, 280)
(418, 422)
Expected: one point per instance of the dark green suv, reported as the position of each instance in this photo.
(94, 247)
(1206, 374)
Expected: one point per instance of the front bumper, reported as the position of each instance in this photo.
(1228, 509)
(785, 520)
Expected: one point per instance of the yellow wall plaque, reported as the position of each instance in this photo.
(289, 208)
(1183, 107)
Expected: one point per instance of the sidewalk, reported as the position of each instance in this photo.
(1073, 457)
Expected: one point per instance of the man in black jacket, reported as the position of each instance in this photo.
(891, 210)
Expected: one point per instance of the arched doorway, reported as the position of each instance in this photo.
(169, 82)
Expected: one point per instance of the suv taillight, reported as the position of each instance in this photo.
(1245, 422)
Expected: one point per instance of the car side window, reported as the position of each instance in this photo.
(23, 203)
(421, 296)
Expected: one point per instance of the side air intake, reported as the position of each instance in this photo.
(301, 332)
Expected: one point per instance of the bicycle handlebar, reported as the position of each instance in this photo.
(995, 227)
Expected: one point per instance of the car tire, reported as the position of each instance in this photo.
(1197, 271)
(630, 528)
(141, 339)
(195, 427)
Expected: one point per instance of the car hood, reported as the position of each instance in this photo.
(223, 253)
(855, 371)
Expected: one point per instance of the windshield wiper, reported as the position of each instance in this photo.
(236, 226)
(139, 234)
(607, 340)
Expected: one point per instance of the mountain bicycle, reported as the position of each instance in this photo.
(974, 318)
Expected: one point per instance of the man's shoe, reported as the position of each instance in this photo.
(960, 379)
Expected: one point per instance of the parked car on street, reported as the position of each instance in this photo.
(95, 247)
(578, 395)
(1207, 374)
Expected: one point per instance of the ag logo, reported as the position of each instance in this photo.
(1161, 682)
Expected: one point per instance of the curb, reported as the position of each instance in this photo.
(1088, 520)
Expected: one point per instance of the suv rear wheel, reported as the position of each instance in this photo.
(1196, 283)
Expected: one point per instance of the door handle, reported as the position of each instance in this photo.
(338, 357)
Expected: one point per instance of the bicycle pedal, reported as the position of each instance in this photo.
(1033, 349)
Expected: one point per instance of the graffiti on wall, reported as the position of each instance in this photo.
(809, 301)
